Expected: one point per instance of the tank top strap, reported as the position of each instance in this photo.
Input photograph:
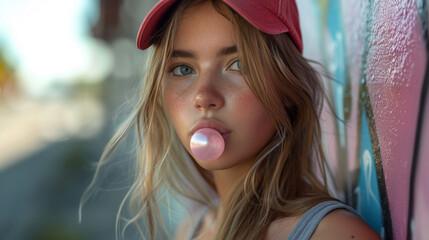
(311, 219)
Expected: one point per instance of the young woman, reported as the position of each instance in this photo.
(235, 67)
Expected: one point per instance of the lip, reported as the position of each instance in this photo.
(211, 123)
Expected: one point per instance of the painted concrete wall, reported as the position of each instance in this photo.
(378, 147)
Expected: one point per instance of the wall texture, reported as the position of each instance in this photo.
(378, 148)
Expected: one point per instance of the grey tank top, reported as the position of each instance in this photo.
(308, 223)
(311, 219)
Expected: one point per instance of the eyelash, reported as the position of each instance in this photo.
(172, 69)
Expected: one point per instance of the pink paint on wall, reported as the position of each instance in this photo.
(393, 63)
(395, 71)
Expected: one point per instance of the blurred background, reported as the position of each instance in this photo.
(67, 70)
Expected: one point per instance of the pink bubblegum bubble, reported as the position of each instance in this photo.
(207, 144)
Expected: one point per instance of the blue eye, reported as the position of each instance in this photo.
(235, 66)
(182, 70)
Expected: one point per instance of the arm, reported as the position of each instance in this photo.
(341, 224)
(338, 224)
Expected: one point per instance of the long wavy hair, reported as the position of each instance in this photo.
(291, 91)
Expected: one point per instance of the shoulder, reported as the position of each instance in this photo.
(184, 229)
(335, 223)
(352, 227)
(189, 224)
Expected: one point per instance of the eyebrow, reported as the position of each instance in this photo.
(177, 53)
(227, 51)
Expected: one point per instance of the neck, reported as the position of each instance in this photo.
(226, 179)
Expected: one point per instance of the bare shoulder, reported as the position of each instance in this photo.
(188, 224)
(342, 224)
(182, 231)
(338, 224)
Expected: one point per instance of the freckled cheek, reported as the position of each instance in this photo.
(172, 97)
(253, 114)
(175, 101)
(171, 100)
(247, 104)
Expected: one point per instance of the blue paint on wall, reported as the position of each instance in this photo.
(368, 203)
(336, 62)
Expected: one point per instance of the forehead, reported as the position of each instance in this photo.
(202, 26)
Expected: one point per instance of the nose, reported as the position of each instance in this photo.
(208, 95)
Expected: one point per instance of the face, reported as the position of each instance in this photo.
(204, 87)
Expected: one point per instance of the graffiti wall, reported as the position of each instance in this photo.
(375, 53)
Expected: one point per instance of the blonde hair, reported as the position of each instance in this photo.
(290, 90)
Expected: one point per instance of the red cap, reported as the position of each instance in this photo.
(269, 16)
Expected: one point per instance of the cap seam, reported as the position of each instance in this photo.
(279, 7)
(271, 11)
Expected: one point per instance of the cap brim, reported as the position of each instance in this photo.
(152, 23)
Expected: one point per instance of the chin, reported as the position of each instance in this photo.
(224, 163)
(214, 165)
